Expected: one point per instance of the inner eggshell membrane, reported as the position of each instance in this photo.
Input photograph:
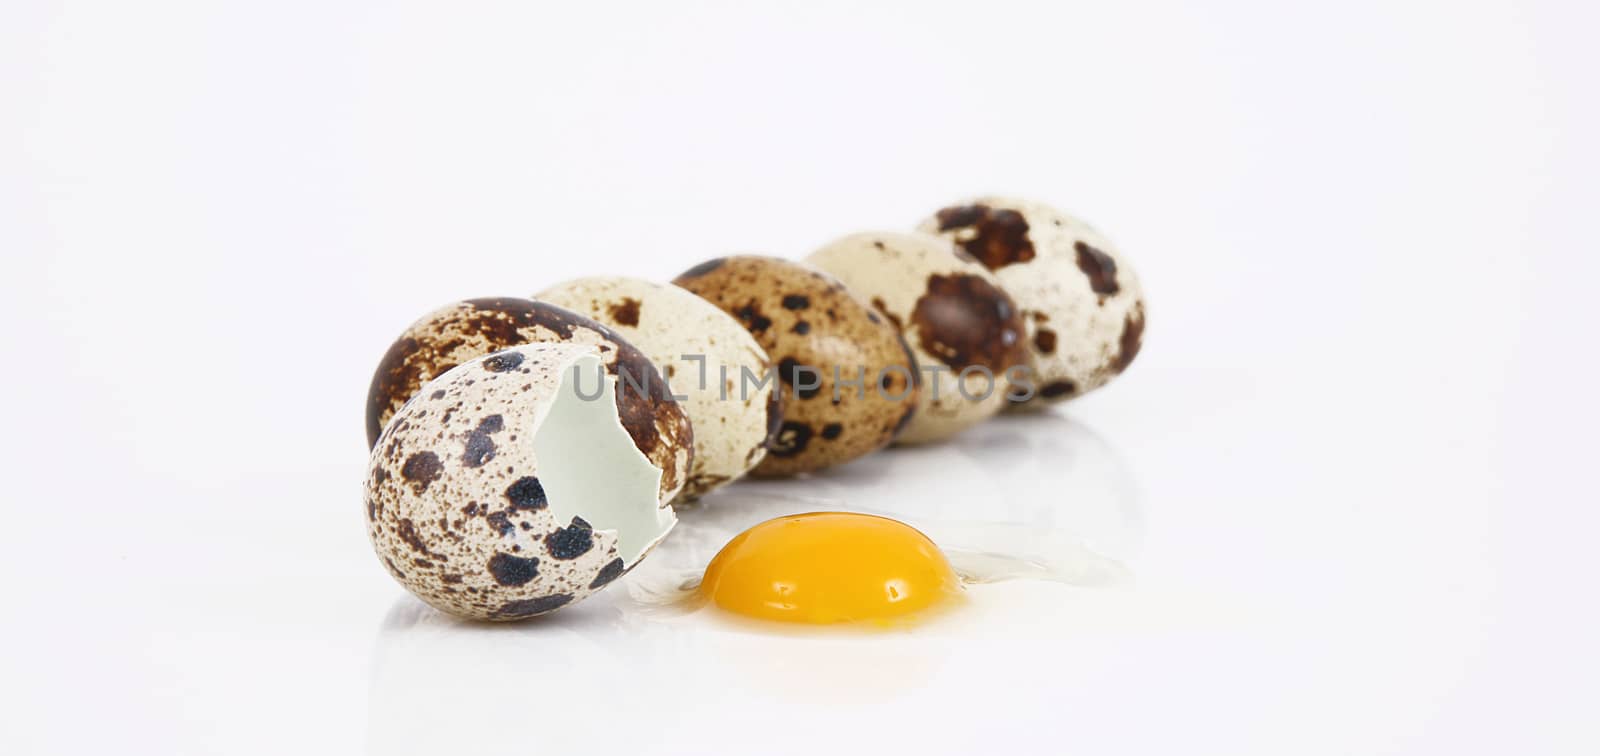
(590, 467)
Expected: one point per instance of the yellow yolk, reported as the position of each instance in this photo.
(828, 567)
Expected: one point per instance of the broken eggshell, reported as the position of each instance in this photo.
(509, 487)
(1082, 303)
(811, 325)
(465, 330)
(691, 342)
(964, 331)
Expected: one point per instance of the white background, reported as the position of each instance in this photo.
(1350, 473)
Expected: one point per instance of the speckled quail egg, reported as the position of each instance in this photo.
(1083, 305)
(510, 487)
(462, 331)
(691, 341)
(962, 328)
(849, 380)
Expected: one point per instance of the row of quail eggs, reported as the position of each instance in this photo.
(989, 305)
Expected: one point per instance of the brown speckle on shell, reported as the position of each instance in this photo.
(1057, 389)
(964, 320)
(421, 469)
(608, 573)
(502, 362)
(525, 493)
(792, 439)
(1044, 340)
(570, 542)
(479, 447)
(1130, 341)
(626, 311)
(513, 570)
(1100, 267)
(526, 608)
(996, 237)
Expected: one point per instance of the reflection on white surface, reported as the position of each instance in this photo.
(1030, 495)
(978, 497)
(440, 685)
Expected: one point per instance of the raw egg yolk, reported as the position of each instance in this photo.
(829, 567)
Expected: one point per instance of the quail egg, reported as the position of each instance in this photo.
(462, 331)
(1082, 303)
(849, 380)
(509, 486)
(964, 331)
(701, 351)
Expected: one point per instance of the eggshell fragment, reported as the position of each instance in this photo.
(964, 331)
(849, 381)
(509, 487)
(690, 340)
(465, 330)
(1082, 303)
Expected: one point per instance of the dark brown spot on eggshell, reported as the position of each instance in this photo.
(1045, 341)
(570, 542)
(999, 237)
(790, 440)
(503, 362)
(792, 373)
(526, 493)
(649, 413)
(878, 304)
(1100, 267)
(500, 522)
(625, 312)
(407, 532)
(608, 573)
(510, 570)
(422, 469)
(480, 447)
(963, 320)
(530, 607)
(1057, 389)
(961, 216)
(752, 318)
(1131, 340)
(393, 570)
